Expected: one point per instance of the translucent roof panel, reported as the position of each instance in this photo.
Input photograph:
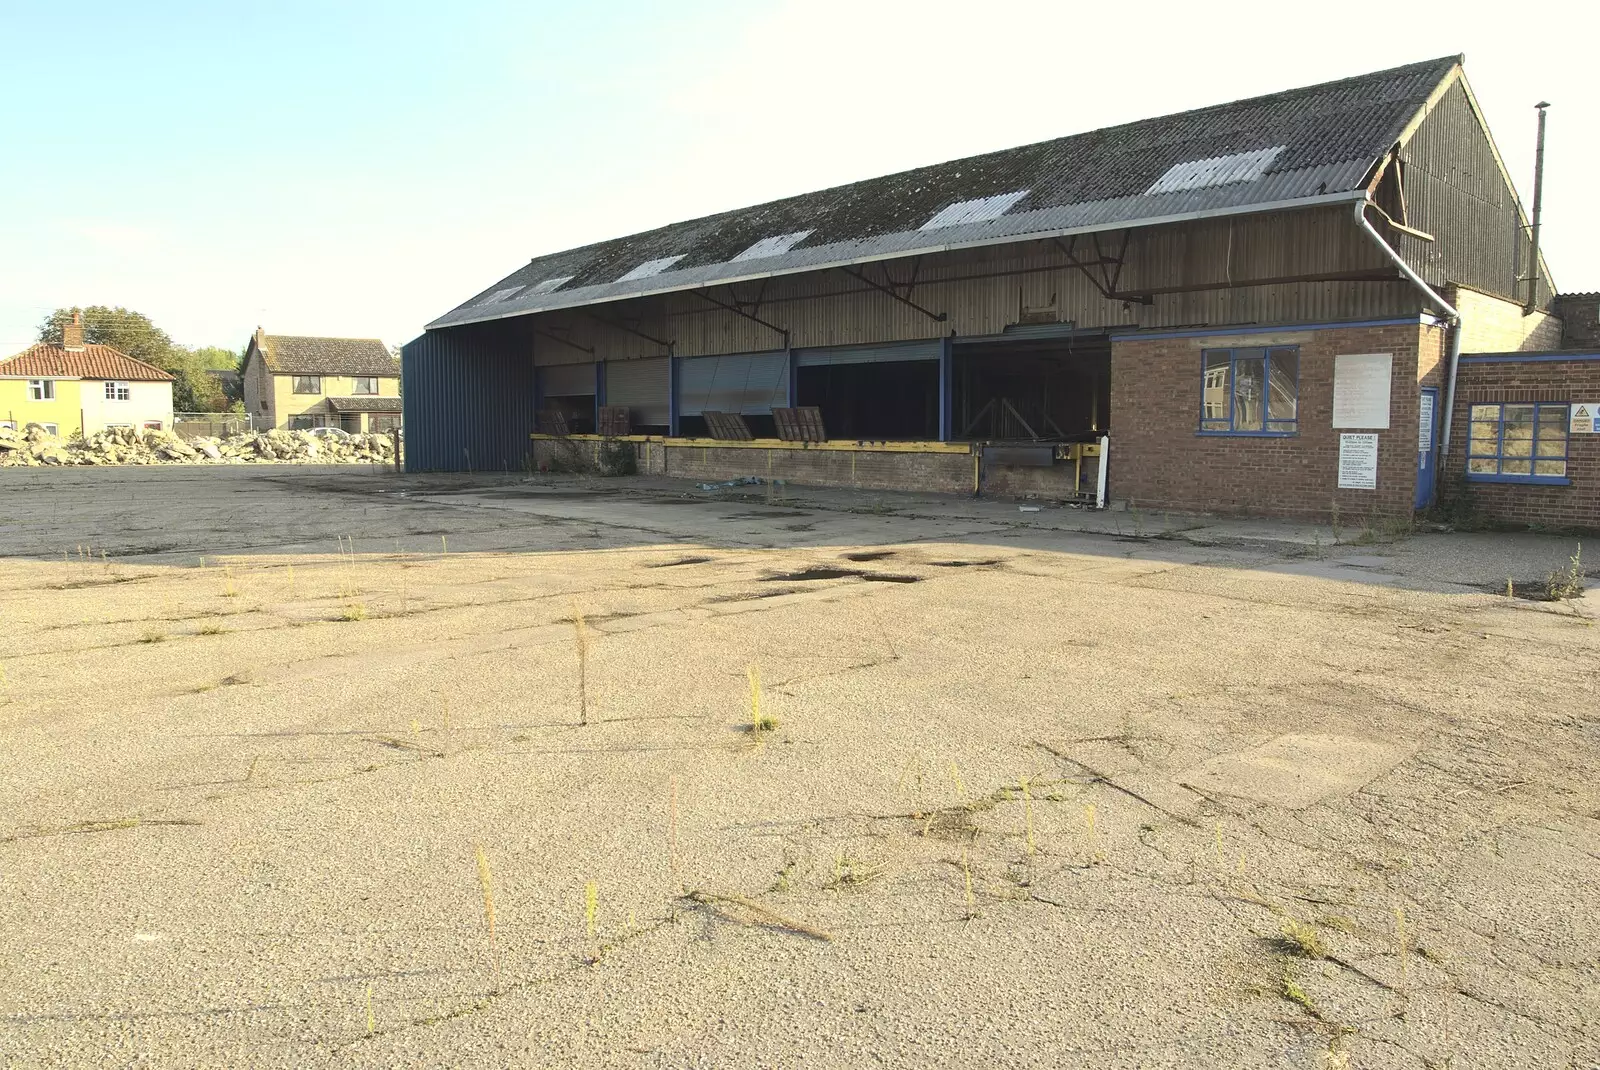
(979, 210)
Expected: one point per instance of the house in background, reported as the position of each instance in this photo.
(77, 387)
(295, 382)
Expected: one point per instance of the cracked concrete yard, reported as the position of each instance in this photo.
(1035, 789)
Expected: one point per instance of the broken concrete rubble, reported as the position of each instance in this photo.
(33, 445)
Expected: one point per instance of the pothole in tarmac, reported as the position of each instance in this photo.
(869, 555)
(819, 573)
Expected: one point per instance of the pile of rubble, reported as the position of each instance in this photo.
(33, 445)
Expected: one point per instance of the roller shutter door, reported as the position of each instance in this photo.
(566, 380)
(641, 385)
(878, 354)
(747, 383)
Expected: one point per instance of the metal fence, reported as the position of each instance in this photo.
(211, 424)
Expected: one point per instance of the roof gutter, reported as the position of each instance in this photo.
(1319, 201)
(1453, 360)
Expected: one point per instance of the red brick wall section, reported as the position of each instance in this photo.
(1575, 507)
(1158, 461)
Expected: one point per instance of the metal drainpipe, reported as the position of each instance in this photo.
(1453, 360)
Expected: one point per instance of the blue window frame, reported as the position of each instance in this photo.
(1518, 443)
(1254, 391)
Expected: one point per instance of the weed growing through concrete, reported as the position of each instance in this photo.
(1333, 519)
(153, 635)
(1027, 816)
(486, 886)
(353, 611)
(1289, 988)
(230, 589)
(1401, 939)
(213, 627)
(372, 1023)
(1301, 938)
(955, 775)
(966, 883)
(591, 912)
(581, 635)
(1511, 588)
(444, 544)
(1566, 582)
(759, 722)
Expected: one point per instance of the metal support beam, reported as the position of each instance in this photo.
(946, 388)
(1106, 282)
(557, 338)
(937, 317)
(625, 329)
(737, 311)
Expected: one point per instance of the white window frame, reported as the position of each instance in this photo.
(41, 389)
(357, 380)
(51, 429)
(117, 390)
(314, 381)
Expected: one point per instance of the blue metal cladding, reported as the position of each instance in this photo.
(469, 399)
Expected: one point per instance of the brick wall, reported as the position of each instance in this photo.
(1576, 506)
(1159, 461)
(943, 473)
(1495, 325)
(1580, 320)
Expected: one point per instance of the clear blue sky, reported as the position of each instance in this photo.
(359, 168)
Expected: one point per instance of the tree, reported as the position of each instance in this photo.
(132, 333)
(121, 329)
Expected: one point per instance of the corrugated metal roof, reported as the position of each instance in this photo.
(1267, 152)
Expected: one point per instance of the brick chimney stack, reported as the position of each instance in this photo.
(72, 333)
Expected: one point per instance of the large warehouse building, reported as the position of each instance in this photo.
(1257, 307)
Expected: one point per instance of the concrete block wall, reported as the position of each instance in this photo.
(1568, 507)
(1495, 325)
(1160, 461)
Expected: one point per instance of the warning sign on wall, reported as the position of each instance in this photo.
(1585, 418)
(1358, 462)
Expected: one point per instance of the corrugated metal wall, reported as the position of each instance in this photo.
(983, 291)
(1456, 191)
(469, 398)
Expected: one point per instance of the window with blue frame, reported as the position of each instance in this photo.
(1518, 443)
(1252, 391)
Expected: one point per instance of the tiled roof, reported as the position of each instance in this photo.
(288, 354)
(364, 404)
(1250, 155)
(93, 361)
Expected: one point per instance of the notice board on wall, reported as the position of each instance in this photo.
(1358, 462)
(1361, 390)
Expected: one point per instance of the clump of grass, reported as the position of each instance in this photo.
(1289, 988)
(1566, 582)
(966, 883)
(759, 722)
(230, 589)
(213, 627)
(1301, 938)
(853, 872)
(154, 635)
(486, 886)
(353, 611)
(581, 636)
(1027, 815)
(372, 1023)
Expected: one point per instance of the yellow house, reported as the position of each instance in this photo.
(71, 386)
(293, 382)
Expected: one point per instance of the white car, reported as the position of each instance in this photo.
(330, 432)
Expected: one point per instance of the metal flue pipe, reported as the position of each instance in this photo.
(1538, 210)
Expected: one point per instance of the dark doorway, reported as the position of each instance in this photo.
(1055, 390)
(874, 401)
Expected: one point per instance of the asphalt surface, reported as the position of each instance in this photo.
(1034, 795)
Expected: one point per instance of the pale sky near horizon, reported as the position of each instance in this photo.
(358, 168)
